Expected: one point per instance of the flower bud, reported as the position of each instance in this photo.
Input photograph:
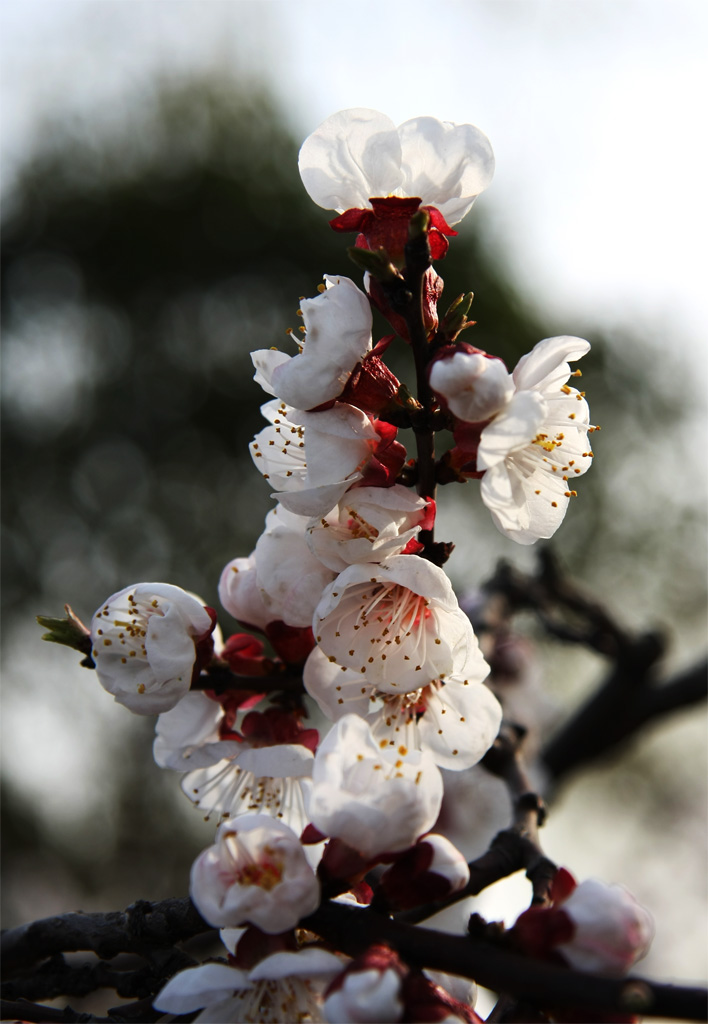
(145, 641)
(473, 385)
(430, 870)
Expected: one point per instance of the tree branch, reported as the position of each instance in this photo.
(352, 931)
(142, 927)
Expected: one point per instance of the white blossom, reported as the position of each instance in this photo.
(282, 987)
(290, 578)
(359, 154)
(240, 593)
(612, 930)
(183, 734)
(337, 336)
(375, 800)
(457, 721)
(368, 996)
(474, 386)
(312, 458)
(144, 645)
(255, 872)
(534, 449)
(246, 778)
(447, 861)
(397, 623)
(368, 525)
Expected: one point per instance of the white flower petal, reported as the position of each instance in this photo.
(182, 731)
(514, 428)
(352, 156)
(368, 525)
(612, 930)
(546, 365)
(473, 386)
(446, 164)
(369, 996)
(373, 800)
(240, 594)
(308, 963)
(290, 579)
(337, 690)
(201, 986)
(337, 336)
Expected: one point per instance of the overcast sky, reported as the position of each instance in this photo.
(595, 110)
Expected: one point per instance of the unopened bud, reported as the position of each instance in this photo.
(455, 319)
(374, 262)
(69, 631)
(419, 224)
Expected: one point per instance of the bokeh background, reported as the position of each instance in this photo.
(155, 231)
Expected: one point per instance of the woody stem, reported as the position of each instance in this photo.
(417, 262)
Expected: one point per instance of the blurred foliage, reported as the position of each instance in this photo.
(143, 259)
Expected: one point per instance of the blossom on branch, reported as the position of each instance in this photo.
(397, 623)
(367, 525)
(312, 458)
(337, 337)
(456, 720)
(285, 986)
(592, 926)
(533, 450)
(255, 872)
(148, 641)
(474, 386)
(375, 800)
(377, 175)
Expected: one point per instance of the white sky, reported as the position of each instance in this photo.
(595, 109)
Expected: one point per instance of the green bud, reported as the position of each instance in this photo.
(70, 631)
(418, 225)
(375, 262)
(455, 319)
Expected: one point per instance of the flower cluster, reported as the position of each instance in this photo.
(344, 607)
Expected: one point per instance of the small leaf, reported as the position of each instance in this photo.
(69, 631)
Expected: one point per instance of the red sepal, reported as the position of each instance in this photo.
(409, 882)
(425, 1001)
(254, 946)
(351, 220)
(386, 460)
(204, 646)
(562, 886)
(385, 226)
(340, 861)
(371, 385)
(540, 929)
(243, 653)
(363, 893)
(291, 643)
(274, 726)
(311, 835)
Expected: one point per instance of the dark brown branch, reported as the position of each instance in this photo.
(629, 698)
(136, 979)
(624, 703)
(513, 849)
(22, 1010)
(504, 971)
(220, 678)
(351, 931)
(143, 926)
